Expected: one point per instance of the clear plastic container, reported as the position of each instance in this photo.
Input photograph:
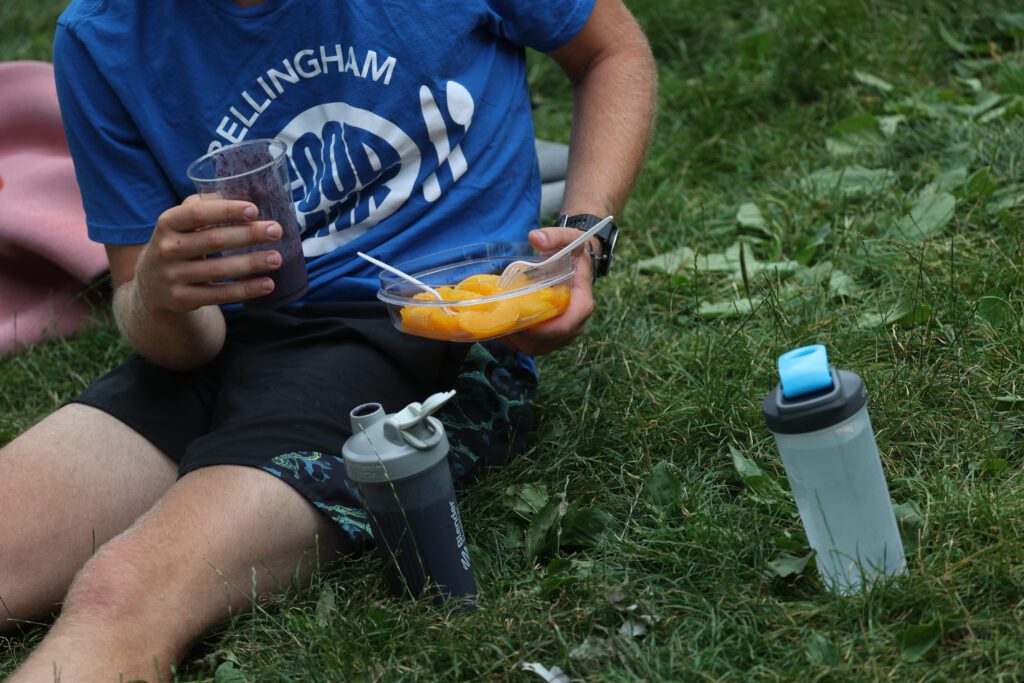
(841, 493)
(474, 309)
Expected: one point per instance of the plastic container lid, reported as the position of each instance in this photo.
(811, 395)
(804, 371)
(446, 268)
(386, 448)
(387, 296)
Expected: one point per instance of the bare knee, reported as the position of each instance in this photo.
(111, 587)
(70, 483)
(109, 627)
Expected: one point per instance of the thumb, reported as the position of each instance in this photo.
(552, 239)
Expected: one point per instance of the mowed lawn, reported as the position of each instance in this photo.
(865, 158)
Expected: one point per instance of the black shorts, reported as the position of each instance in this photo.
(278, 397)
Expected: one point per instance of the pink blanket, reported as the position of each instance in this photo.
(45, 255)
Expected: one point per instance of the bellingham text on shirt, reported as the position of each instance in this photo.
(304, 64)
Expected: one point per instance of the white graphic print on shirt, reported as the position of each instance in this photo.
(352, 168)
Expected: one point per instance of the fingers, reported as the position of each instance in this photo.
(173, 269)
(213, 270)
(193, 214)
(552, 239)
(558, 332)
(176, 246)
(190, 297)
(182, 286)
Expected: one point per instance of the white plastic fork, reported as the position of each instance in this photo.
(516, 267)
(408, 278)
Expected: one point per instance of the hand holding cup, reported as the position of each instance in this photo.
(174, 272)
(256, 171)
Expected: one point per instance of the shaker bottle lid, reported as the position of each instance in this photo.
(811, 395)
(392, 447)
(804, 371)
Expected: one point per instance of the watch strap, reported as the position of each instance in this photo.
(583, 221)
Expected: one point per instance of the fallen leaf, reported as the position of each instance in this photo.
(726, 309)
(593, 647)
(916, 641)
(227, 673)
(663, 488)
(749, 216)
(903, 314)
(324, 606)
(542, 535)
(872, 80)
(633, 628)
(854, 133)
(552, 675)
(762, 487)
(842, 285)
(911, 524)
(669, 263)
(820, 650)
(928, 216)
(889, 124)
(527, 500)
(750, 220)
(853, 180)
(839, 283)
(784, 564)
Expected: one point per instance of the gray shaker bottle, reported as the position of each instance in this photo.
(819, 418)
(400, 464)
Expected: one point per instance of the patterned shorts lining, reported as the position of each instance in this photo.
(488, 421)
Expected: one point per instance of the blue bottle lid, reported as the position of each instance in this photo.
(804, 371)
(811, 395)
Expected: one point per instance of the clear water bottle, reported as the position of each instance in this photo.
(819, 418)
(400, 464)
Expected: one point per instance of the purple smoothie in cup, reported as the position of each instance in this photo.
(257, 171)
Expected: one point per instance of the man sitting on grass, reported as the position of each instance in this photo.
(203, 472)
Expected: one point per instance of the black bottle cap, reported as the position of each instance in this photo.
(817, 410)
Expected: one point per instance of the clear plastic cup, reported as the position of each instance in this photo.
(257, 171)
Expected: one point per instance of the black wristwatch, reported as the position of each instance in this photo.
(607, 236)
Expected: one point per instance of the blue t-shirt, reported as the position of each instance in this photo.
(408, 123)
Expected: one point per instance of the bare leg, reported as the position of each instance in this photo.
(69, 484)
(220, 537)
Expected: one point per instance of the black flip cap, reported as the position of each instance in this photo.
(817, 410)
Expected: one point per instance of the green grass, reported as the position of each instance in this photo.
(750, 93)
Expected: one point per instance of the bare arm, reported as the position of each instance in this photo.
(179, 341)
(614, 85)
(167, 293)
(610, 66)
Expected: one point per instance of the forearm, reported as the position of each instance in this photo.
(177, 341)
(613, 111)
